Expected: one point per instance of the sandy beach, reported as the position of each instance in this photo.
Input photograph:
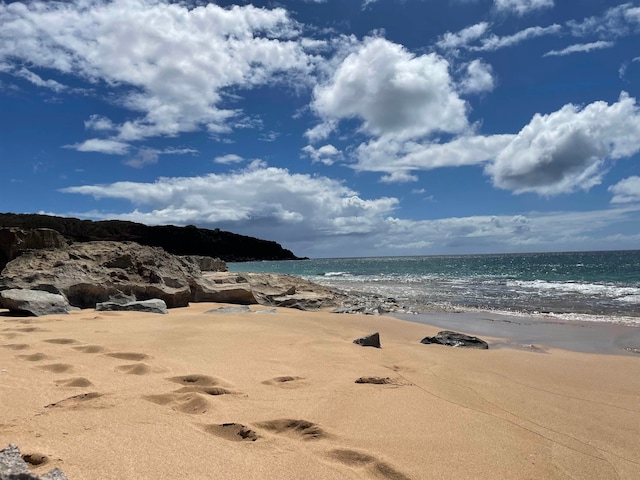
(285, 394)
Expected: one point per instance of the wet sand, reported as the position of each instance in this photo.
(285, 394)
(538, 332)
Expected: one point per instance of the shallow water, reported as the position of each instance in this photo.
(602, 286)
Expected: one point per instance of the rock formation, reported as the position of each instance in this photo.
(15, 241)
(86, 274)
(455, 339)
(189, 240)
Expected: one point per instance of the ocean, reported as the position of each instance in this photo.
(587, 286)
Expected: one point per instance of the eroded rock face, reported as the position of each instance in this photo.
(93, 272)
(15, 241)
(90, 273)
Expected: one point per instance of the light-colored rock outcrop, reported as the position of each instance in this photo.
(91, 273)
(34, 302)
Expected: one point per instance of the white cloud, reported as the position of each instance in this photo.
(110, 147)
(392, 92)
(150, 156)
(581, 47)
(479, 78)
(318, 216)
(229, 158)
(626, 191)
(617, 21)
(268, 202)
(172, 61)
(464, 37)
(327, 154)
(391, 157)
(494, 42)
(99, 123)
(39, 81)
(568, 149)
(522, 7)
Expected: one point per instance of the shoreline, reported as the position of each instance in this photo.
(536, 333)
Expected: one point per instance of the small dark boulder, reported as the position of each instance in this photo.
(154, 305)
(455, 339)
(372, 340)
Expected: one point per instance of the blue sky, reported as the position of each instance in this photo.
(336, 128)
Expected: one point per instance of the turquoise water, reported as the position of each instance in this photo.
(585, 283)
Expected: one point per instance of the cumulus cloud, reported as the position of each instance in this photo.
(327, 154)
(149, 156)
(580, 47)
(269, 202)
(391, 91)
(393, 157)
(626, 191)
(521, 7)
(479, 78)
(172, 62)
(568, 149)
(39, 81)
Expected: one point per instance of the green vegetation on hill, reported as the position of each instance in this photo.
(189, 240)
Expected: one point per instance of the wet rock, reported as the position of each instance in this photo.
(372, 340)
(455, 339)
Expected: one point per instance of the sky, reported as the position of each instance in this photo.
(337, 128)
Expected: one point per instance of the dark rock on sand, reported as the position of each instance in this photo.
(14, 467)
(455, 339)
(33, 302)
(372, 340)
(154, 305)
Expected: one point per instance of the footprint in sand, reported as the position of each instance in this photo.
(193, 403)
(297, 428)
(133, 356)
(57, 367)
(17, 346)
(61, 341)
(90, 349)
(31, 329)
(286, 382)
(135, 369)
(234, 432)
(34, 357)
(84, 400)
(74, 382)
(360, 460)
(198, 379)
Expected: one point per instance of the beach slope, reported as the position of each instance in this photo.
(285, 394)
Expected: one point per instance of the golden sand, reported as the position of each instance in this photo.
(287, 395)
